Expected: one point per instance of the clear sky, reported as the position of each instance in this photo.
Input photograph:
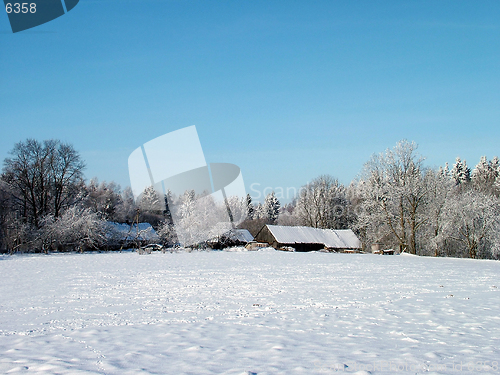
(286, 90)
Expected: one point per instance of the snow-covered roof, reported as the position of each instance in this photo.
(331, 238)
(242, 235)
(141, 231)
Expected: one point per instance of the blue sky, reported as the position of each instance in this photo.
(287, 90)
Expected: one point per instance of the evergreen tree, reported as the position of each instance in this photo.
(460, 173)
(495, 165)
(249, 207)
(485, 174)
(480, 174)
(125, 211)
(259, 212)
(446, 170)
(150, 200)
(272, 208)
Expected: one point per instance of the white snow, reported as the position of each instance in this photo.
(248, 312)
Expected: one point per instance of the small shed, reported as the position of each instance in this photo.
(235, 237)
(309, 239)
(125, 235)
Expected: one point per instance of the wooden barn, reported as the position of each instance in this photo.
(309, 239)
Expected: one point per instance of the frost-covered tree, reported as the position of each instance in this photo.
(393, 196)
(199, 219)
(288, 215)
(473, 219)
(126, 210)
(322, 203)
(439, 188)
(249, 207)
(460, 172)
(166, 232)
(16, 234)
(151, 201)
(445, 171)
(151, 206)
(104, 198)
(496, 185)
(77, 228)
(237, 209)
(186, 203)
(485, 175)
(260, 212)
(255, 218)
(271, 208)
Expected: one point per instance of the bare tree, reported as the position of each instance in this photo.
(5, 210)
(66, 176)
(44, 177)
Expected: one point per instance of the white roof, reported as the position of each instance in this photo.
(331, 238)
(144, 231)
(242, 235)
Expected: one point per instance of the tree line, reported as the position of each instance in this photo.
(400, 203)
(397, 201)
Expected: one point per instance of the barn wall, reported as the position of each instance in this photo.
(307, 246)
(265, 236)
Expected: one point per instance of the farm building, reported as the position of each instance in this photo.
(309, 239)
(235, 237)
(126, 235)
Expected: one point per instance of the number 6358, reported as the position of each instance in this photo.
(20, 7)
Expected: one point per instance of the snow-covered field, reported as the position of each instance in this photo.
(262, 312)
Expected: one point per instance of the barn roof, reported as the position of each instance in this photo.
(124, 232)
(331, 238)
(242, 235)
(234, 235)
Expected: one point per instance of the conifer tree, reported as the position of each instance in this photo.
(272, 208)
(460, 172)
(249, 207)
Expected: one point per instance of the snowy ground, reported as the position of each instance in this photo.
(260, 312)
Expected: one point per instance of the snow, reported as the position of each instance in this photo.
(247, 312)
(335, 239)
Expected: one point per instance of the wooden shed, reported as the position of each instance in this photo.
(234, 237)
